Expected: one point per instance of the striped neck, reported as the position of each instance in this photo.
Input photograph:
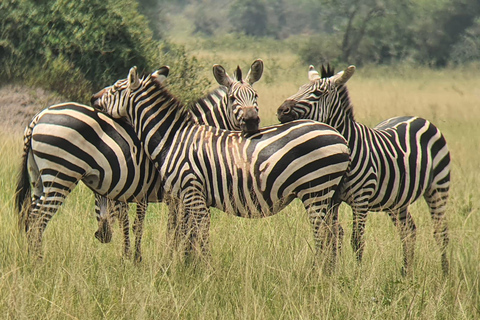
(338, 112)
(341, 117)
(212, 110)
(157, 116)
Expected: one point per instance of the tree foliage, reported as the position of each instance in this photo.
(89, 42)
(433, 32)
(249, 17)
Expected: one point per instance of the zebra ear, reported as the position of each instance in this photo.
(133, 80)
(313, 74)
(221, 76)
(161, 74)
(255, 72)
(343, 76)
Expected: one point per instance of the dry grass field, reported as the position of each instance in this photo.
(263, 269)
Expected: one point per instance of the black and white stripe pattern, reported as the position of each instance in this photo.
(234, 105)
(70, 142)
(392, 164)
(202, 167)
(73, 123)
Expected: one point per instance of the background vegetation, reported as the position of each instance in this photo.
(263, 269)
(259, 269)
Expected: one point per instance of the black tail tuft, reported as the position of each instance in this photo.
(23, 193)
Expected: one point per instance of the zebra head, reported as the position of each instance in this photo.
(117, 100)
(242, 106)
(319, 99)
(106, 214)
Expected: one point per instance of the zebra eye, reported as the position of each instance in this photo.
(232, 99)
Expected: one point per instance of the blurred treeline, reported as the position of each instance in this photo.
(429, 32)
(77, 47)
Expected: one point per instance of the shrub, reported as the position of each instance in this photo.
(73, 46)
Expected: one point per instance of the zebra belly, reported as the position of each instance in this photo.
(403, 158)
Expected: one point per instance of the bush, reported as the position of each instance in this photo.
(320, 49)
(73, 46)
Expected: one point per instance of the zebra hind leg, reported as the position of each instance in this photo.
(327, 233)
(42, 212)
(437, 203)
(406, 226)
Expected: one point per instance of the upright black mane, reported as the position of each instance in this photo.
(327, 72)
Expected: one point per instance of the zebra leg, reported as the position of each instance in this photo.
(104, 216)
(43, 210)
(197, 229)
(406, 226)
(340, 233)
(138, 229)
(125, 225)
(358, 230)
(326, 232)
(175, 224)
(437, 203)
(197, 222)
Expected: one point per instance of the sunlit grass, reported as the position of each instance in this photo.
(262, 269)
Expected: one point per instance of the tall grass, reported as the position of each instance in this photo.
(263, 269)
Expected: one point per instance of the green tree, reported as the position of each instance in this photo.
(440, 31)
(87, 43)
(249, 17)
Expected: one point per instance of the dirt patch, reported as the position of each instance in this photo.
(18, 105)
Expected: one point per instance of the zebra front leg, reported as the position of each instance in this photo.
(138, 229)
(175, 224)
(197, 223)
(196, 235)
(358, 230)
(406, 226)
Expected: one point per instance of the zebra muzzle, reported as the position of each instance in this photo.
(284, 112)
(104, 232)
(250, 121)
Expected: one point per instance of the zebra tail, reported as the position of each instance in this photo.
(23, 192)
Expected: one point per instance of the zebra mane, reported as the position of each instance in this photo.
(166, 94)
(221, 90)
(345, 102)
(327, 72)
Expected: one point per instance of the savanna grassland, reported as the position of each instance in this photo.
(263, 269)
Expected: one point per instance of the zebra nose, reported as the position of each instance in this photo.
(284, 112)
(251, 120)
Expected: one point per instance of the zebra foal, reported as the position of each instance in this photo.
(248, 176)
(392, 164)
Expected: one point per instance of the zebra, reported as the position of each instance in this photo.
(70, 142)
(250, 176)
(68, 122)
(392, 164)
(232, 106)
